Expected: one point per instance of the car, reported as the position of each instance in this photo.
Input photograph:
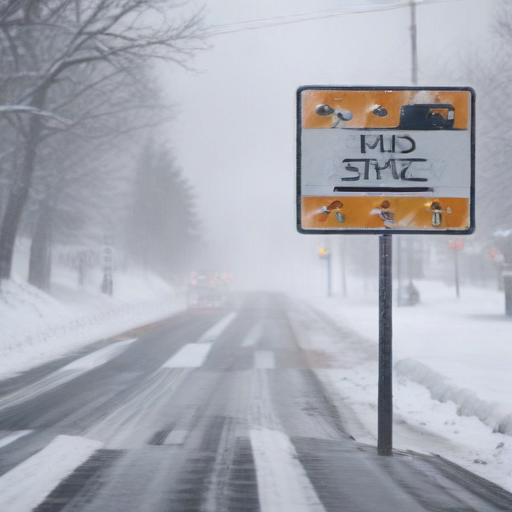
(208, 290)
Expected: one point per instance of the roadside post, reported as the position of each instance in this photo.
(456, 246)
(107, 283)
(325, 254)
(507, 286)
(502, 254)
(384, 161)
(497, 257)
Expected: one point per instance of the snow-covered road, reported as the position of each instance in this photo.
(187, 417)
(452, 383)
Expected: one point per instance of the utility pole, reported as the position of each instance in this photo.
(414, 47)
(412, 294)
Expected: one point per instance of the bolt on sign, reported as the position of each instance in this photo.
(385, 160)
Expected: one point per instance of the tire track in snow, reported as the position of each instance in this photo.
(67, 373)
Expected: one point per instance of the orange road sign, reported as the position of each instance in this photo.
(385, 159)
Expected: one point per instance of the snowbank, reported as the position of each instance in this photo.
(497, 415)
(452, 379)
(38, 327)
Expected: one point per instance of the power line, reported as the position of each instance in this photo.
(301, 18)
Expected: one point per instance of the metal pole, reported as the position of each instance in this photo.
(507, 286)
(410, 262)
(385, 398)
(400, 297)
(414, 46)
(412, 293)
(457, 280)
(344, 269)
(329, 280)
(404, 299)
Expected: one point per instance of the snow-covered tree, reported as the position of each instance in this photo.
(83, 173)
(163, 234)
(55, 56)
(491, 74)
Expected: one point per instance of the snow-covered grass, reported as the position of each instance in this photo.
(37, 327)
(452, 372)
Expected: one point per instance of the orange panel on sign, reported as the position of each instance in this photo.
(381, 212)
(380, 108)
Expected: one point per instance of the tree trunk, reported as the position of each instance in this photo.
(15, 204)
(19, 192)
(40, 252)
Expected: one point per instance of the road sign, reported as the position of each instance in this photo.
(495, 254)
(456, 245)
(385, 160)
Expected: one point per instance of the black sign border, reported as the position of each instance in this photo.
(380, 231)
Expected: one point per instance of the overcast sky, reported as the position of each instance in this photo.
(234, 134)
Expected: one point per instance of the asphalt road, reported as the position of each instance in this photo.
(207, 411)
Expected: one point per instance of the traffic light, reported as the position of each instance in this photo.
(323, 252)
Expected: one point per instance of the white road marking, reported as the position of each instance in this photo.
(66, 373)
(189, 356)
(98, 358)
(9, 437)
(127, 425)
(214, 332)
(253, 336)
(24, 487)
(283, 485)
(264, 359)
(176, 437)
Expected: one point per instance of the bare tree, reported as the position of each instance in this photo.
(74, 186)
(82, 167)
(49, 46)
(491, 75)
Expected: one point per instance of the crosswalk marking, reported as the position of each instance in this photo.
(192, 355)
(24, 487)
(66, 373)
(283, 485)
(9, 437)
(214, 332)
(99, 357)
(253, 336)
(176, 437)
(264, 359)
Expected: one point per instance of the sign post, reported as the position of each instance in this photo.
(325, 254)
(385, 160)
(385, 391)
(456, 246)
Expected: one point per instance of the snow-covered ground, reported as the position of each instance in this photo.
(452, 357)
(37, 327)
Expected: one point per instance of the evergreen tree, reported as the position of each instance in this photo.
(164, 233)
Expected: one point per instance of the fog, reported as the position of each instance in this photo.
(148, 214)
(234, 133)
